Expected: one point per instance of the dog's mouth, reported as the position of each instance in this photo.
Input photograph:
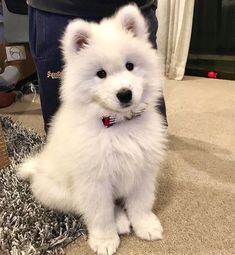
(126, 105)
(119, 108)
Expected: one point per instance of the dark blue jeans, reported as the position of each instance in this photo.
(45, 31)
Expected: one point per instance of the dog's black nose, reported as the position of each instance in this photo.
(124, 95)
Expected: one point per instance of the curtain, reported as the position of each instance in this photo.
(175, 25)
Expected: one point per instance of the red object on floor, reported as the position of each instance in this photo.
(212, 74)
(6, 99)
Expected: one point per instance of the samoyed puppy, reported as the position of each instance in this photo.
(107, 139)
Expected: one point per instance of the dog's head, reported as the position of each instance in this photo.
(110, 64)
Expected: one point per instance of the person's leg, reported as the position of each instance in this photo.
(153, 26)
(45, 31)
(152, 21)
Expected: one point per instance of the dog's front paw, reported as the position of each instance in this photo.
(148, 227)
(104, 245)
(122, 222)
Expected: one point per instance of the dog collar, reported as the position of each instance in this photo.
(109, 121)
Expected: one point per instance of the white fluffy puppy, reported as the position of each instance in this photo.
(107, 139)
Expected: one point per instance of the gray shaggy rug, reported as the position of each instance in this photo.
(26, 227)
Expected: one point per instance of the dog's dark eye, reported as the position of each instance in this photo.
(129, 66)
(101, 74)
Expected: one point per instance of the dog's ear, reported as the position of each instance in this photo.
(132, 20)
(76, 36)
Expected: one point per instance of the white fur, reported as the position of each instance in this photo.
(84, 166)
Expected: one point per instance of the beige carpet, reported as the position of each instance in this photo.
(196, 193)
